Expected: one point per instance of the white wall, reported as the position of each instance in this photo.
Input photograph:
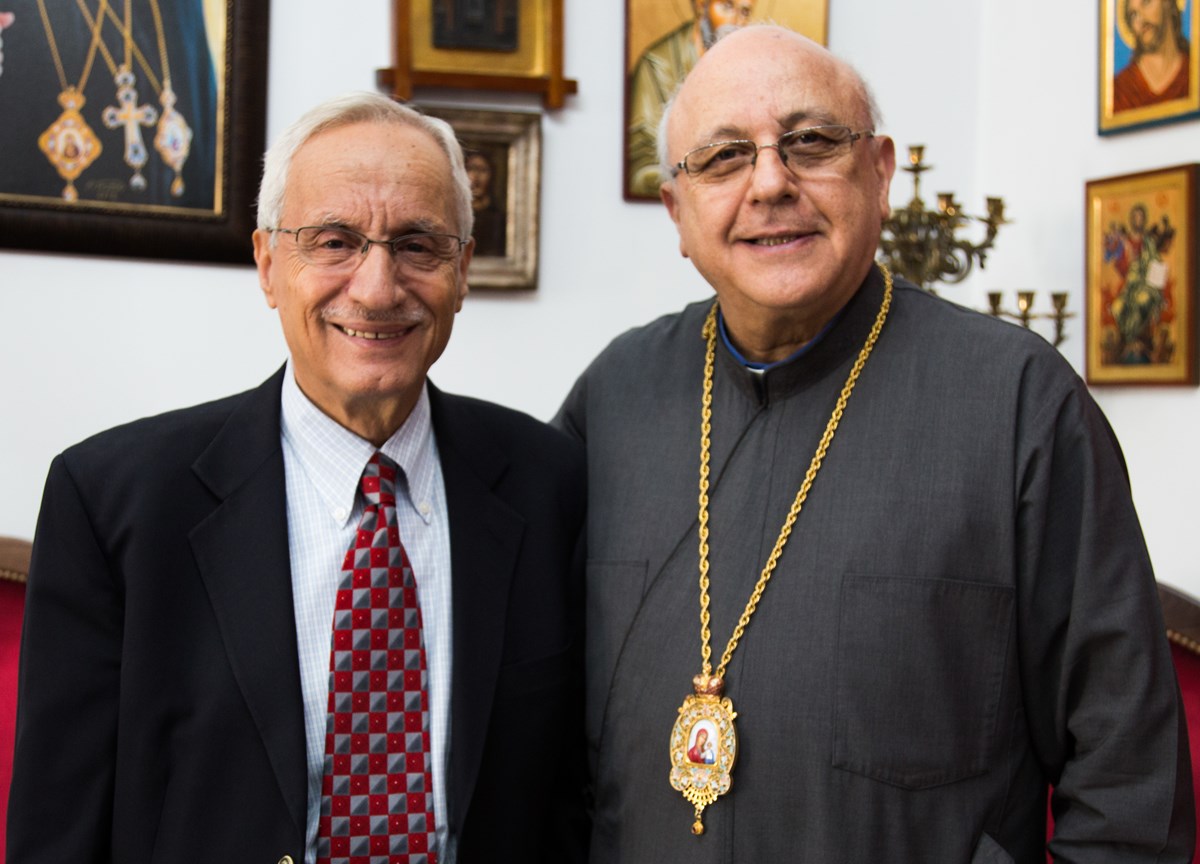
(88, 343)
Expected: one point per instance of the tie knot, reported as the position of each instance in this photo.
(379, 480)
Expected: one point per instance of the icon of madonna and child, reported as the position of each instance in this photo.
(702, 748)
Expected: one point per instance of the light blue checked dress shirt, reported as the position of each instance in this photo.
(323, 463)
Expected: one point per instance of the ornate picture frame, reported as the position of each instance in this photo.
(514, 45)
(663, 40)
(1149, 79)
(71, 181)
(503, 150)
(1141, 288)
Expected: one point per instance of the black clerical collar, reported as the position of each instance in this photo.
(795, 355)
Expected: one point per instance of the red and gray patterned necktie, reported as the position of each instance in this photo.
(376, 796)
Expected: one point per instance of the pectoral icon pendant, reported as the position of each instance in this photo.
(69, 143)
(703, 746)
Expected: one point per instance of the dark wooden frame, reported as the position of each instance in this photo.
(1165, 192)
(475, 70)
(1110, 122)
(210, 236)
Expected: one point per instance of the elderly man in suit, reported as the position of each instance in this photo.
(883, 546)
(334, 618)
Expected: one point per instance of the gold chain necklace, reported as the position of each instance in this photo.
(703, 743)
(173, 140)
(130, 44)
(69, 143)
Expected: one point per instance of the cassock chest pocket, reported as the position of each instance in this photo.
(920, 667)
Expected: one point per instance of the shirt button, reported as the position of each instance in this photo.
(425, 508)
(340, 514)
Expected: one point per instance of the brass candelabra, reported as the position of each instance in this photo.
(924, 246)
(1025, 314)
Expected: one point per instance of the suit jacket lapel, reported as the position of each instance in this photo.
(485, 536)
(241, 550)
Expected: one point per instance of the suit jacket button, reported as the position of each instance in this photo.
(286, 859)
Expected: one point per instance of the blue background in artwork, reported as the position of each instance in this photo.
(1121, 51)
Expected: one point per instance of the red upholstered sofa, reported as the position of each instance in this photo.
(1182, 615)
(14, 565)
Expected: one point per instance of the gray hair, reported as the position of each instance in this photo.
(666, 167)
(359, 107)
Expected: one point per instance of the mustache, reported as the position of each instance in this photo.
(404, 316)
(1150, 36)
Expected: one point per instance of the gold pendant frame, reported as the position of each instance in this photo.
(69, 143)
(174, 137)
(705, 728)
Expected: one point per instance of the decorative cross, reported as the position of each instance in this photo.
(132, 116)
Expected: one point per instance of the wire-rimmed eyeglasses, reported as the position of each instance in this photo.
(338, 249)
(800, 150)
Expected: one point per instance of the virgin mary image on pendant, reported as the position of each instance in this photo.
(703, 749)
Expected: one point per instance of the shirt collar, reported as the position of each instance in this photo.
(333, 457)
(754, 366)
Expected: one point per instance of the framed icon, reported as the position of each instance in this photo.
(1149, 63)
(502, 151)
(514, 45)
(1141, 291)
